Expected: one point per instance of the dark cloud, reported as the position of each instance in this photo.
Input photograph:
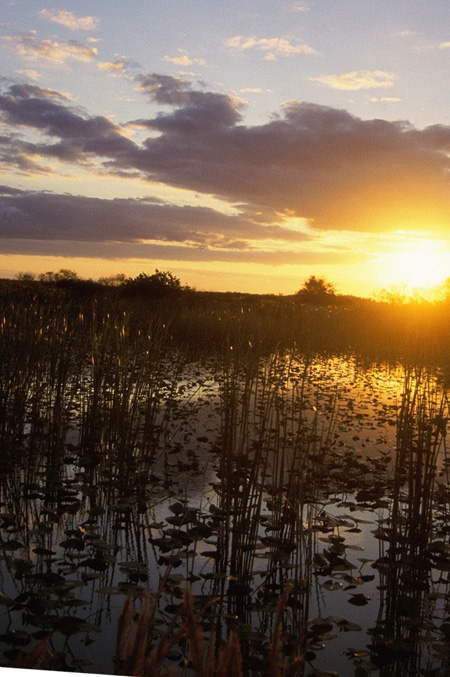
(323, 164)
(317, 162)
(27, 91)
(48, 216)
(164, 89)
(44, 110)
(310, 161)
(196, 112)
(164, 252)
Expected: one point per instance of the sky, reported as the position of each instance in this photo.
(242, 145)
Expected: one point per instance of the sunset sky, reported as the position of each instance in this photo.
(243, 145)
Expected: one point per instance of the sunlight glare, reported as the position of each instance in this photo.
(420, 265)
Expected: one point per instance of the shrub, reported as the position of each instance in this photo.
(161, 284)
(317, 290)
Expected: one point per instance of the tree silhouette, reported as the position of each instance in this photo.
(63, 275)
(159, 285)
(317, 290)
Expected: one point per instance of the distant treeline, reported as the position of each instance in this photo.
(161, 284)
(205, 321)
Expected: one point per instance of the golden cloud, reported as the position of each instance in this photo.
(30, 74)
(69, 19)
(184, 60)
(273, 46)
(32, 49)
(355, 80)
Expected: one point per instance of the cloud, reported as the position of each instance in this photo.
(78, 137)
(300, 7)
(196, 110)
(312, 162)
(69, 19)
(118, 66)
(30, 74)
(164, 88)
(27, 215)
(444, 45)
(184, 60)
(27, 92)
(407, 33)
(323, 164)
(164, 252)
(122, 66)
(31, 48)
(384, 99)
(274, 47)
(357, 80)
(254, 90)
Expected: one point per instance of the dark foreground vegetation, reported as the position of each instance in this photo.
(188, 480)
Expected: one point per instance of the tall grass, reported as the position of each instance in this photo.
(210, 321)
(64, 367)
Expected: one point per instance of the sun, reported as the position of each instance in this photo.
(419, 265)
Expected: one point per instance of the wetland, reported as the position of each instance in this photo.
(222, 486)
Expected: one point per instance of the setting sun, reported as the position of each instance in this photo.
(419, 265)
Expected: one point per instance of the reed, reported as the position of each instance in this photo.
(416, 331)
(270, 462)
(406, 573)
(141, 651)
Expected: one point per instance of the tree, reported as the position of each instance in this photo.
(116, 280)
(401, 294)
(69, 281)
(317, 290)
(25, 277)
(63, 275)
(161, 284)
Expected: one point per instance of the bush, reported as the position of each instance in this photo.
(317, 291)
(159, 285)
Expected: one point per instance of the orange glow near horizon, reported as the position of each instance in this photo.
(420, 265)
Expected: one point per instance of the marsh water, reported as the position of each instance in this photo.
(236, 477)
